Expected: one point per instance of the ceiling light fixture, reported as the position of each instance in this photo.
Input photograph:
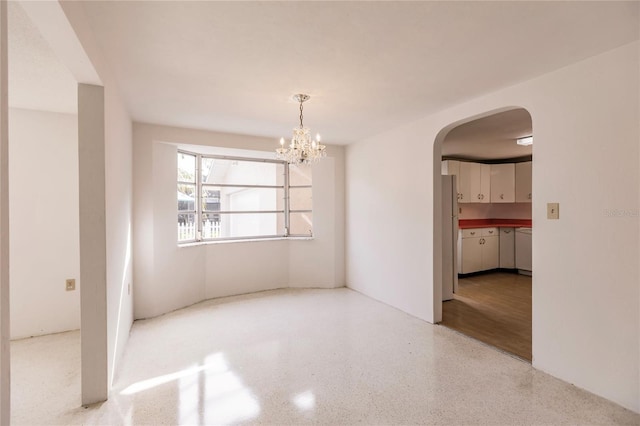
(526, 141)
(302, 149)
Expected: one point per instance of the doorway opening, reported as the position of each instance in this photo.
(44, 223)
(486, 197)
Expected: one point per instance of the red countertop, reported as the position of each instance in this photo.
(488, 223)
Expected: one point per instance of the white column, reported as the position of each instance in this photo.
(5, 371)
(93, 252)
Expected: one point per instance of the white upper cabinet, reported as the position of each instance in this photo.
(452, 167)
(523, 182)
(469, 182)
(503, 183)
(490, 183)
(475, 182)
(484, 196)
(469, 173)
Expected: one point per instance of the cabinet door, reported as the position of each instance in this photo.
(484, 193)
(507, 248)
(523, 251)
(503, 183)
(490, 252)
(469, 182)
(471, 255)
(523, 182)
(475, 183)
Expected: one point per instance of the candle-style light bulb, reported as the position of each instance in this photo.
(318, 137)
(313, 144)
(281, 141)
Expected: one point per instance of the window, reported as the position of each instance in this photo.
(222, 197)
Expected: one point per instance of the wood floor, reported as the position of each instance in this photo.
(494, 308)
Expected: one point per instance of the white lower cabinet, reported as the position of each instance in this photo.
(470, 255)
(491, 252)
(478, 250)
(507, 248)
(523, 249)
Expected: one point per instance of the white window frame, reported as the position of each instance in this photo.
(199, 211)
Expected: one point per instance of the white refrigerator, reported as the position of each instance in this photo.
(449, 237)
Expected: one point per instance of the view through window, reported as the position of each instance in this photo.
(222, 197)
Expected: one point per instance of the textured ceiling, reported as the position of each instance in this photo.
(37, 78)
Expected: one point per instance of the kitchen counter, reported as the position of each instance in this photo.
(487, 223)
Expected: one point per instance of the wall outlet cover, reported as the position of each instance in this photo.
(70, 284)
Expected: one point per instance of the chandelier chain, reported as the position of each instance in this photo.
(301, 114)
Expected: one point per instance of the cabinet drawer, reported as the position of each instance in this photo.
(489, 232)
(507, 231)
(479, 232)
(471, 233)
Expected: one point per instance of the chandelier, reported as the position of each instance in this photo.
(302, 149)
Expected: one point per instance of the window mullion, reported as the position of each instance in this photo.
(199, 196)
(286, 199)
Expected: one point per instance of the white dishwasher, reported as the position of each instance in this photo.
(523, 250)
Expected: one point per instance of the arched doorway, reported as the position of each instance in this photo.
(482, 192)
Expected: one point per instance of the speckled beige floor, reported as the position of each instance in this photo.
(298, 357)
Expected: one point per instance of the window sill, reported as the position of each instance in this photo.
(248, 240)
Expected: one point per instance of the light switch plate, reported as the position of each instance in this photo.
(553, 210)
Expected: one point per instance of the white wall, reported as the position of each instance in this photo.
(5, 353)
(586, 157)
(43, 174)
(168, 277)
(118, 196)
(117, 191)
(93, 244)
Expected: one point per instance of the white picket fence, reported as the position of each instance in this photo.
(187, 231)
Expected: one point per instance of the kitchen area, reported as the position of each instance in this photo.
(492, 237)
(487, 232)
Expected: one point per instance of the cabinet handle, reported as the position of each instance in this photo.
(482, 196)
(491, 232)
(479, 197)
(502, 196)
(462, 196)
(472, 233)
(482, 241)
(529, 195)
(507, 231)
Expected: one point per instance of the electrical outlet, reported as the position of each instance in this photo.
(70, 284)
(553, 210)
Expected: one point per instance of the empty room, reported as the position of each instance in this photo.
(252, 212)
